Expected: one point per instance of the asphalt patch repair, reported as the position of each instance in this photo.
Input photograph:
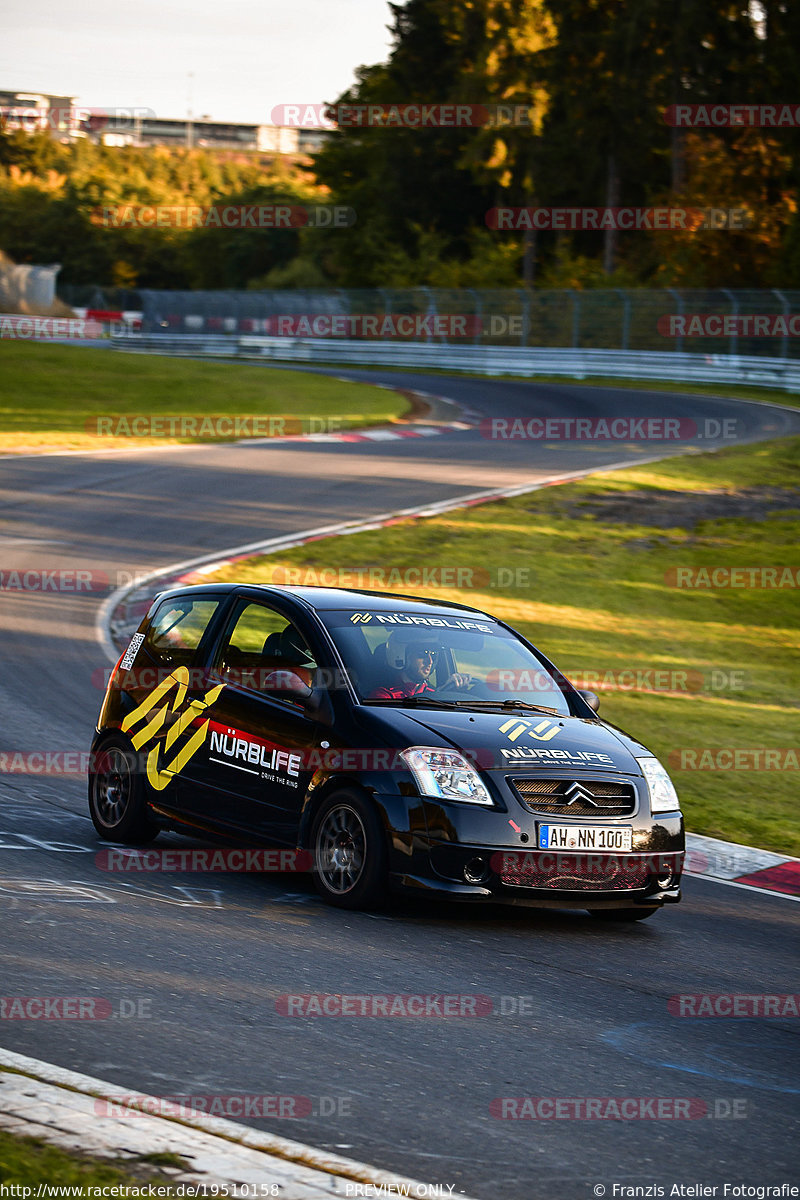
(666, 509)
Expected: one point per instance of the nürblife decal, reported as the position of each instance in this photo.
(154, 715)
(544, 754)
(381, 618)
(243, 751)
(255, 755)
(545, 731)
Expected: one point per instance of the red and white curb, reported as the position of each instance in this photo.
(379, 434)
(385, 433)
(431, 426)
(742, 866)
(69, 1110)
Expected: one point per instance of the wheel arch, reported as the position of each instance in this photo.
(135, 823)
(334, 783)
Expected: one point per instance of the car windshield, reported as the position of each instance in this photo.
(460, 660)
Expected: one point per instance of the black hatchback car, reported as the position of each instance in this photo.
(400, 742)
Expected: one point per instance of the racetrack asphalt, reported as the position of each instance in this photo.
(580, 1007)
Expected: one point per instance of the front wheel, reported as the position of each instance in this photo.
(117, 803)
(623, 914)
(349, 844)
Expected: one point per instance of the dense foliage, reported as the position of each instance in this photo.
(595, 78)
(51, 194)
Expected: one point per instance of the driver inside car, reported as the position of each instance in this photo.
(415, 662)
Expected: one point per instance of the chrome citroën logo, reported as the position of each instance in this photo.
(575, 793)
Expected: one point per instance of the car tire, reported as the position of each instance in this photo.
(117, 801)
(623, 914)
(349, 849)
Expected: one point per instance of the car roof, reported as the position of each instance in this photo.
(326, 599)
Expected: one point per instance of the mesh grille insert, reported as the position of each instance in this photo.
(576, 798)
(615, 876)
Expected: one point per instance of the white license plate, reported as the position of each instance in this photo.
(584, 837)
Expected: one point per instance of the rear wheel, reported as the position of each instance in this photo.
(350, 859)
(117, 803)
(623, 914)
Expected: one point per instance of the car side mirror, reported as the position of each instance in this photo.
(591, 698)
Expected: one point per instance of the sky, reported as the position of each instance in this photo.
(233, 62)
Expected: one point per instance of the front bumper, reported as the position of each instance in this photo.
(532, 897)
(490, 856)
(546, 880)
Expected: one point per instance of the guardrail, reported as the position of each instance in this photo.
(669, 366)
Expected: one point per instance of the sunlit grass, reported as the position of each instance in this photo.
(596, 596)
(52, 396)
(28, 1162)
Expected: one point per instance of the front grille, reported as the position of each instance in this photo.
(612, 875)
(576, 797)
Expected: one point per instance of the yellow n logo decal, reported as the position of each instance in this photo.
(157, 716)
(543, 732)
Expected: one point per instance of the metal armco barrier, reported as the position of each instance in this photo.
(780, 373)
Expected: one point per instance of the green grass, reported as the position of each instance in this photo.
(30, 1162)
(50, 393)
(598, 598)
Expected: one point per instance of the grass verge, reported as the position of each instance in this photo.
(28, 1162)
(588, 571)
(53, 396)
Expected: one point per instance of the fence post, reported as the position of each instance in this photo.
(431, 310)
(734, 346)
(681, 306)
(526, 317)
(479, 314)
(576, 318)
(785, 338)
(626, 317)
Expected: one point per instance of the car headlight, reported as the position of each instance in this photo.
(445, 774)
(663, 797)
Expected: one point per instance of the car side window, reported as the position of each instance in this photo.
(262, 651)
(177, 627)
